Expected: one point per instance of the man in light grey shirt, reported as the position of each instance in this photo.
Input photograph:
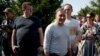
(56, 40)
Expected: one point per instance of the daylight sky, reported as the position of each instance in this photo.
(77, 4)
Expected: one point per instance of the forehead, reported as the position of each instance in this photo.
(7, 13)
(28, 6)
(67, 7)
(60, 12)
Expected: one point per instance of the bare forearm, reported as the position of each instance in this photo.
(41, 36)
(46, 53)
(70, 51)
(13, 38)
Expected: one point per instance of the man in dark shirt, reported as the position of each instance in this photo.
(7, 32)
(27, 33)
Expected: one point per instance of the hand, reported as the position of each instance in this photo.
(41, 50)
(90, 35)
(14, 48)
(46, 54)
(9, 30)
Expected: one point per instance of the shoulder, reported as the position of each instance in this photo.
(50, 26)
(96, 25)
(75, 20)
(35, 18)
(18, 17)
(4, 21)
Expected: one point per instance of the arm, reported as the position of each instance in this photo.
(13, 37)
(69, 47)
(14, 46)
(47, 40)
(84, 34)
(70, 51)
(41, 40)
(41, 36)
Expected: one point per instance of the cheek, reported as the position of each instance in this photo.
(61, 19)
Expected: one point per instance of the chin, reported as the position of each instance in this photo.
(60, 23)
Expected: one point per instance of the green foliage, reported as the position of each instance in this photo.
(85, 10)
(95, 8)
(3, 5)
(43, 9)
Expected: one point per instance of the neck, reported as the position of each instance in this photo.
(26, 15)
(60, 24)
(68, 17)
(90, 24)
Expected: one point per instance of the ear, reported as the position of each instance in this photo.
(72, 10)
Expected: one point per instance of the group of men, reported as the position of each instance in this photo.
(23, 35)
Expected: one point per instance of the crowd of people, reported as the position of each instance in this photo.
(65, 36)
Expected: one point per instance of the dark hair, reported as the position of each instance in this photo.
(68, 5)
(24, 5)
(91, 14)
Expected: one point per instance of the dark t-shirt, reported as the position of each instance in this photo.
(27, 31)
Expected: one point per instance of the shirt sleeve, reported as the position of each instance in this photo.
(47, 38)
(83, 29)
(38, 22)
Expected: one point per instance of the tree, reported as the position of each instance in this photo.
(85, 10)
(44, 9)
(96, 6)
(3, 5)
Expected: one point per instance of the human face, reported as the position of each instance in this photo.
(8, 15)
(60, 17)
(83, 20)
(89, 19)
(97, 18)
(28, 10)
(67, 10)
